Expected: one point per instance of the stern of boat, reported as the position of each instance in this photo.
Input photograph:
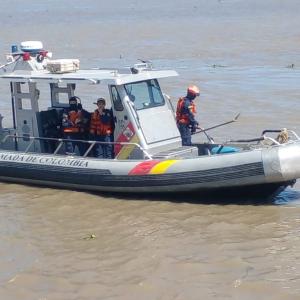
(289, 159)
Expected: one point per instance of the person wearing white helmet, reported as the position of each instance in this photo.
(185, 115)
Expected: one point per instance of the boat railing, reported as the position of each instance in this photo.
(61, 142)
(294, 134)
(289, 131)
(286, 138)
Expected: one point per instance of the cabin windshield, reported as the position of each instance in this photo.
(145, 94)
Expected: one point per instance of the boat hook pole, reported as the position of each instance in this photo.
(210, 139)
(218, 125)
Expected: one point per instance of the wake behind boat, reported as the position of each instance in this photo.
(148, 156)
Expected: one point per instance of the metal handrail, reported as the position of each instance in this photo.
(294, 134)
(62, 141)
(263, 137)
(280, 130)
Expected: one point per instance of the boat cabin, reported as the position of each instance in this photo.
(144, 120)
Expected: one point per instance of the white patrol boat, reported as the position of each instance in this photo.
(149, 157)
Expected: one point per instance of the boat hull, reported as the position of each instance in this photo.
(260, 171)
(261, 192)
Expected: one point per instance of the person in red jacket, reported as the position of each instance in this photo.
(101, 129)
(185, 115)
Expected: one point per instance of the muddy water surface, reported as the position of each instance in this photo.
(57, 244)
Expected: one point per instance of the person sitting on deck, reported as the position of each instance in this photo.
(75, 121)
(101, 129)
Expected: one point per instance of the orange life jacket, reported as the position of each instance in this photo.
(74, 122)
(182, 115)
(101, 124)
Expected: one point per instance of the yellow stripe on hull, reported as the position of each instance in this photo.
(162, 167)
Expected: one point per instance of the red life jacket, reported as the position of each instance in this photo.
(75, 119)
(182, 115)
(101, 124)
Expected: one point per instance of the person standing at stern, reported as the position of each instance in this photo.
(185, 115)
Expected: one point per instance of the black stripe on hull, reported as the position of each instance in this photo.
(250, 194)
(202, 176)
(97, 177)
(51, 173)
(244, 194)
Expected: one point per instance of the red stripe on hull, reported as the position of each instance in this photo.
(143, 168)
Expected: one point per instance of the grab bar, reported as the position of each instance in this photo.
(61, 142)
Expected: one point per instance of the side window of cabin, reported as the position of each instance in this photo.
(145, 94)
(138, 93)
(118, 105)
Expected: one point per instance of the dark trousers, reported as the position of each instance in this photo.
(70, 146)
(185, 133)
(103, 150)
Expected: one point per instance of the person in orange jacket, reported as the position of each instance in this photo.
(101, 129)
(75, 121)
(185, 115)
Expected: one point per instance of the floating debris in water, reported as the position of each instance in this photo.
(217, 66)
(13, 279)
(90, 237)
(237, 283)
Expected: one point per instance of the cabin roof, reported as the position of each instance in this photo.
(94, 76)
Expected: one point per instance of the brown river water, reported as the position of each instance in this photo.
(244, 55)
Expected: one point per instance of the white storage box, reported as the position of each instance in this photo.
(63, 65)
